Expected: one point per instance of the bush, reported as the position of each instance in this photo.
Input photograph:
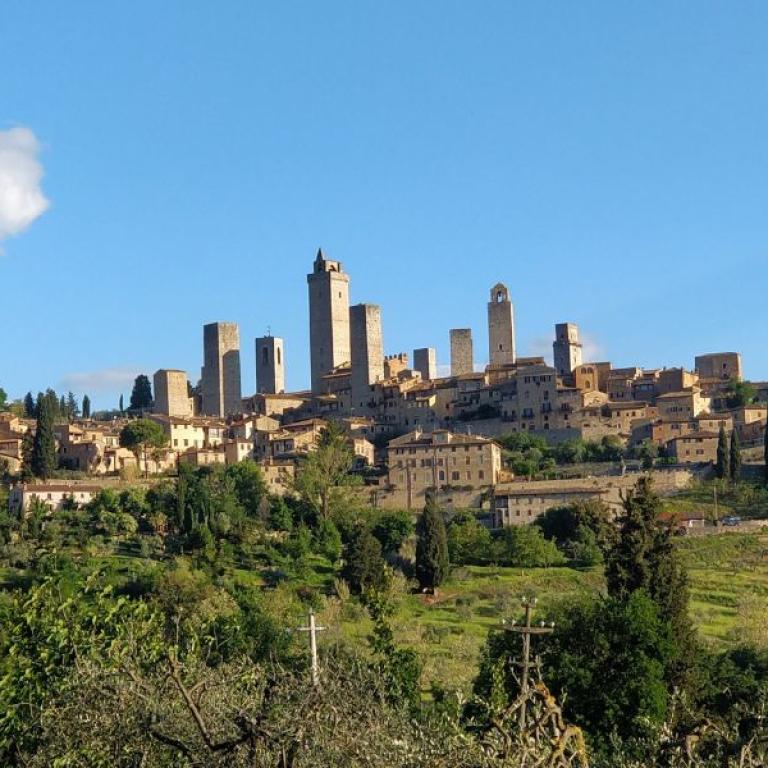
(469, 542)
(524, 546)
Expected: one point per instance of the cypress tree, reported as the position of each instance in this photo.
(644, 559)
(86, 407)
(432, 564)
(122, 409)
(43, 459)
(27, 444)
(735, 458)
(141, 396)
(364, 566)
(73, 409)
(723, 466)
(29, 406)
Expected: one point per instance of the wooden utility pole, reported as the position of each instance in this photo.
(526, 630)
(313, 629)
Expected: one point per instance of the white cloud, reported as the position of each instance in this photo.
(21, 198)
(539, 346)
(594, 351)
(107, 380)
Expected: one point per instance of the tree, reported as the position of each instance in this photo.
(43, 458)
(525, 547)
(735, 457)
(29, 406)
(469, 541)
(120, 405)
(399, 668)
(73, 409)
(740, 393)
(392, 529)
(328, 540)
(432, 564)
(364, 566)
(723, 466)
(86, 407)
(562, 524)
(644, 559)
(141, 396)
(609, 656)
(142, 436)
(248, 485)
(3, 400)
(323, 479)
(27, 447)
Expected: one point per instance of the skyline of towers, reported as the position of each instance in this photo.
(342, 336)
(461, 351)
(501, 327)
(367, 351)
(270, 365)
(567, 349)
(220, 380)
(329, 340)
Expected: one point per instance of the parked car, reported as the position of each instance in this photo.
(731, 520)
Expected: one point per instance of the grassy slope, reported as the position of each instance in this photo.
(449, 632)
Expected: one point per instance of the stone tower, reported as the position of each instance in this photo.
(270, 365)
(328, 318)
(367, 352)
(171, 395)
(501, 327)
(221, 370)
(567, 348)
(425, 362)
(461, 351)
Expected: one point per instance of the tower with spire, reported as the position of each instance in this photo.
(328, 286)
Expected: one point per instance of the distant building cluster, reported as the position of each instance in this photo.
(414, 429)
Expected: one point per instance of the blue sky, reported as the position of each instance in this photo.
(608, 161)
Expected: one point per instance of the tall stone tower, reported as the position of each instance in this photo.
(367, 352)
(171, 395)
(270, 365)
(328, 318)
(501, 327)
(221, 369)
(425, 362)
(461, 351)
(567, 348)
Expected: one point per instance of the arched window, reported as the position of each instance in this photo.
(265, 355)
(279, 357)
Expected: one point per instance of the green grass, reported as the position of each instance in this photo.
(450, 630)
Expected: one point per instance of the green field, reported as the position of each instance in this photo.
(727, 571)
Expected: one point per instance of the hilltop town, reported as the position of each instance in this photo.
(172, 556)
(473, 437)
